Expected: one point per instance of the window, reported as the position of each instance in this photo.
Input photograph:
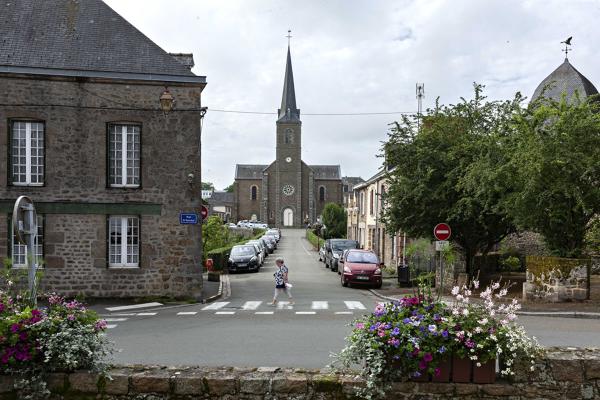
(123, 241)
(27, 153)
(124, 155)
(254, 192)
(322, 193)
(19, 251)
(362, 203)
(371, 202)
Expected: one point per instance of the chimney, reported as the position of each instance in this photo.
(186, 59)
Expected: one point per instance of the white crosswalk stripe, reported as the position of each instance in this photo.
(284, 305)
(113, 326)
(344, 312)
(355, 305)
(134, 306)
(225, 312)
(146, 314)
(320, 305)
(216, 306)
(187, 313)
(115, 319)
(264, 312)
(251, 305)
(306, 312)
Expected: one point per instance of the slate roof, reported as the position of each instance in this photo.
(565, 79)
(249, 171)
(221, 198)
(352, 181)
(288, 111)
(78, 35)
(326, 171)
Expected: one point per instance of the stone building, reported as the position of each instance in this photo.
(221, 204)
(82, 133)
(287, 192)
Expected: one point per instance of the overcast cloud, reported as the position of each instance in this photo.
(356, 56)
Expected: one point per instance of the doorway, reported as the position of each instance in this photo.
(288, 217)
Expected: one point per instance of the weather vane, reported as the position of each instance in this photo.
(289, 36)
(567, 44)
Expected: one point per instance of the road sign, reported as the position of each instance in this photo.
(441, 245)
(204, 212)
(188, 218)
(442, 231)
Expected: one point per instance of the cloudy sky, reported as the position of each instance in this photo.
(354, 57)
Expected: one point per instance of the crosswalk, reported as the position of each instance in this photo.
(256, 307)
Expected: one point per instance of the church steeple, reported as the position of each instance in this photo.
(288, 111)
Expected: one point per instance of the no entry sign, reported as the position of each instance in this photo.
(204, 212)
(442, 231)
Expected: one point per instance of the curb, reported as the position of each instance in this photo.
(219, 292)
(555, 314)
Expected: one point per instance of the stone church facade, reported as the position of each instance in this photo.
(287, 192)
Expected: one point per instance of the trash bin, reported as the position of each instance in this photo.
(403, 275)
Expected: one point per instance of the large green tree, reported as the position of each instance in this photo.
(335, 219)
(444, 171)
(208, 186)
(229, 189)
(556, 160)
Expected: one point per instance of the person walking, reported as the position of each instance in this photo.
(281, 281)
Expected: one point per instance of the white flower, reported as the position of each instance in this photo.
(478, 364)
(455, 290)
(465, 312)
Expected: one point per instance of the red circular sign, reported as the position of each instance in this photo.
(442, 231)
(204, 212)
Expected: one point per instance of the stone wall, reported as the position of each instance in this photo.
(76, 114)
(562, 374)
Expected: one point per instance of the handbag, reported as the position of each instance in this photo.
(288, 285)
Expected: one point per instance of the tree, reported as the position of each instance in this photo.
(229, 189)
(208, 186)
(444, 171)
(556, 160)
(214, 234)
(335, 220)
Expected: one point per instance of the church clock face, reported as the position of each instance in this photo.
(288, 190)
(288, 159)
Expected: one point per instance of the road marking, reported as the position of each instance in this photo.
(284, 305)
(225, 312)
(123, 315)
(355, 305)
(115, 319)
(216, 306)
(264, 313)
(187, 313)
(251, 305)
(344, 312)
(111, 326)
(145, 314)
(133, 306)
(320, 305)
(305, 312)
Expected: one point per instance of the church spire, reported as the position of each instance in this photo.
(288, 111)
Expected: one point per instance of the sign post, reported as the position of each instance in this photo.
(442, 233)
(24, 220)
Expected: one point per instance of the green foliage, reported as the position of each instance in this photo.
(592, 237)
(208, 186)
(511, 263)
(556, 167)
(214, 234)
(313, 239)
(229, 189)
(446, 172)
(335, 219)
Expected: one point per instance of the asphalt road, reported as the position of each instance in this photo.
(243, 330)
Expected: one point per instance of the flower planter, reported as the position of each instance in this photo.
(214, 276)
(423, 378)
(461, 370)
(486, 373)
(445, 369)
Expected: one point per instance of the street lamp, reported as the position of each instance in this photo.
(166, 101)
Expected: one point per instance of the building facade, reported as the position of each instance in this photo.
(82, 133)
(365, 207)
(287, 192)
(221, 204)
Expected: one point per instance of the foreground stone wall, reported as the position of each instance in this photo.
(562, 374)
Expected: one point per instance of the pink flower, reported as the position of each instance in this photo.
(360, 325)
(437, 372)
(71, 317)
(427, 357)
(422, 364)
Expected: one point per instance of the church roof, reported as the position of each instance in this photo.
(288, 111)
(565, 79)
(220, 198)
(326, 171)
(81, 38)
(249, 171)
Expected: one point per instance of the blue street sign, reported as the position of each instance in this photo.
(188, 218)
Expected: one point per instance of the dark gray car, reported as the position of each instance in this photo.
(334, 249)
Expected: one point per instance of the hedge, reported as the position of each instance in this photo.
(220, 256)
(313, 239)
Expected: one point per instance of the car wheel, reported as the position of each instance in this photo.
(326, 264)
(344, 283)
(378, 286)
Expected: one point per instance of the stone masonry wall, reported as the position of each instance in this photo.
(76, 113)
(562, 374)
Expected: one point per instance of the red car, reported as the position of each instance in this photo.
(360, 267)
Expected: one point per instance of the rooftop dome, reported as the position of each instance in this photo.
(565, 79)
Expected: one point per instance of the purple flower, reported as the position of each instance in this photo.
(14, 328)
(395, 332)
(427, 357)
(359, 325)
(406, 320)
(445, 333)
(442, 350)
(1, 307)
(437, 372)
(422, 365)
(469, 343)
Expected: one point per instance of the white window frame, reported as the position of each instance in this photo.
(28, 158)
(122, 223)
(127, 163)
(21, 250)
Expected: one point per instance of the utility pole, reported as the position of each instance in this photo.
(420, 92)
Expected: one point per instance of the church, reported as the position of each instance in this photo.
(287, 192)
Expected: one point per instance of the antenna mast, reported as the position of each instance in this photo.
(420, 92)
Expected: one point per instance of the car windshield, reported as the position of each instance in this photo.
(362, 257)
(242, 251)
(339, 246)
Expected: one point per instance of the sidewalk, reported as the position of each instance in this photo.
(390, 290)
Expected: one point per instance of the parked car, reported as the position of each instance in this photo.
(322, 253)
(259, 252)
(334, 249)
(271, 243)
(360, 267)
(263, 248)
(243, 258)
(275, 233)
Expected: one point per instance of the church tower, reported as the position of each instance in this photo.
(288, 174)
